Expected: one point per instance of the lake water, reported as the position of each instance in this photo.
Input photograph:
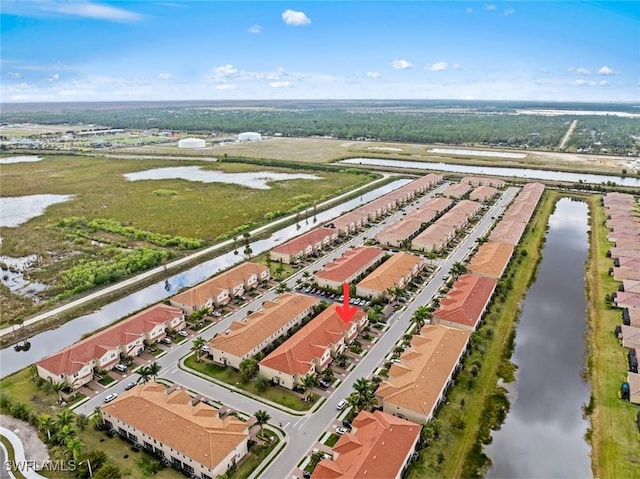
(15, 210)
(544, 433)
(530, 173)
(257, 180)
(48, 342)
(490, 154)
(19, 159)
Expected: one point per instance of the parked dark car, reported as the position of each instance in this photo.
(323, 384)
(346, 424)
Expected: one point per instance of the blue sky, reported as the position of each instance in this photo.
(58, 50)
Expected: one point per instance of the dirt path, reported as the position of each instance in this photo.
(568, 134)
(34, 448)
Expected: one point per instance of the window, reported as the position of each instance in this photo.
(176, 461)
(122, 431)
(147, 445)
(188, 468)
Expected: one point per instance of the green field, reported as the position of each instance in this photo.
(207, 212)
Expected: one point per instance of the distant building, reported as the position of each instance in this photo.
(191, 143)
(249, 136)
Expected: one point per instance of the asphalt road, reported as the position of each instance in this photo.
(304, 430)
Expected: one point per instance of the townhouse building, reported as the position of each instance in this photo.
(75, 365)
(304, 245)
(179, 428)
(378, 446)
(220, 289)
(397, 271)
(417, 384)
(465, 303)
(349, 267)
(251, 335)
(312, 348)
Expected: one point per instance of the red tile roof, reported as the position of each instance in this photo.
(466, 300)
(376, 448)
(296, 245)
(73, 358)
(352, 261)
(491, 259)
(297, 353)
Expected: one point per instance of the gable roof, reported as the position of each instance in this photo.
(211, 288)
(297, 353)
(491, 259)
(389, 273)
(73, 358)
(300, 243)
(376, 448)
(352, 261)
(417, 381)
(168, 416)
(261, 324)
(466, 300)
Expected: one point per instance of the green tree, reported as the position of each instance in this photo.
(420, 315)
(198, 344)
(458, 269)
(248, 369)
(108, 471)
(64, 434)
(308, 382)
(74, 448)
(316, 457)
(144, 373)
(64, 418)
(154, 370)
(81, 421)
(262, 417)
(278, 271)
(46, 424)
(261, 383)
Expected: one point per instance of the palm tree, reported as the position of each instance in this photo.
(64, 418)
(74, 448)
(308, 382)
(58, 387)
(64, 434)
(278, 271)
(262, 417)
(316, 457)
(33, 369)
(154, 370)
(363, 396)
(420, 315)
(458, 268)
(144, 373)
(81, 421)
(96, 418)
(46, 424)
(197, 345)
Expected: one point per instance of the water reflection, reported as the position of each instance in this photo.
(51, 341)
(257, 180)
(7, 160)
(497, 171)
(15, 210)
(544, 433)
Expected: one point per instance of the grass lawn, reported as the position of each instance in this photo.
(232, 377)
(332, 439)
(20, 387)
(614, 438)
(106, 380)
(456, 445)
(257, 454)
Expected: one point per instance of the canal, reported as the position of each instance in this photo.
(544, 432)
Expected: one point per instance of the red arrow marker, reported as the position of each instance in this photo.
(346, 311)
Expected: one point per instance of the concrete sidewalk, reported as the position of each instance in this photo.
(18, 456)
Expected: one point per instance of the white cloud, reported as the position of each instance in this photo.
(165, 76)
(580, 71)
(255, 29)
(583, 83)
(226, 87)
(437, 67)
(14, 75)
(89, 9)
(280, 84)
(509, 11)
(291, 17)
(373, 75)
(490, 7)
(53, 77)
(401, 64)
(604, 83)
(605, 70)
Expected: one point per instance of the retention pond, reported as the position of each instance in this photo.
(544, 432)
